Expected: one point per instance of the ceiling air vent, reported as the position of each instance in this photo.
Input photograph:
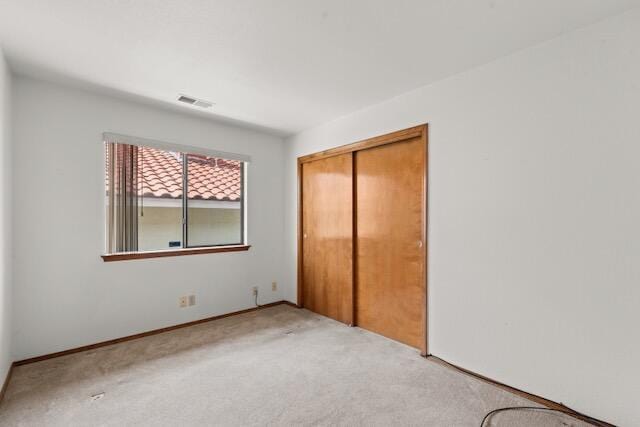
(194, 101)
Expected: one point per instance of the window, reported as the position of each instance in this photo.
(167, 198)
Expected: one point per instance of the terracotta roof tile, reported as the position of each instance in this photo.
(209, 178)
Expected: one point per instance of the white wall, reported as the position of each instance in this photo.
(534, 210)
(67, 296)
(5, 220)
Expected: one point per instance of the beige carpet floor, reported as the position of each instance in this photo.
(279, 366)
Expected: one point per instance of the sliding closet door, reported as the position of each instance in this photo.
(390, 213)
(327, 237)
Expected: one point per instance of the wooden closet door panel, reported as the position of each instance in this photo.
(327, 239)
(390, 280)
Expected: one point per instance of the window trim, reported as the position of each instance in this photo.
(185, 151)
(125, 256)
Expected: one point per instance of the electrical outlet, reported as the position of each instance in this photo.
(192, 300)
(254, 291)
(183, 301)
(274, 286)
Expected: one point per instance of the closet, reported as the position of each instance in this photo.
(362, 228)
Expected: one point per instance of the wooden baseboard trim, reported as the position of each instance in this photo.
(534, 398)
(143, 334)
(6, 382)
(292, 304)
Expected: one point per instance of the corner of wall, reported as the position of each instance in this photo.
(6, 271)
(289, 269)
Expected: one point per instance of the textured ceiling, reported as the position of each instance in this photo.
(286, 65)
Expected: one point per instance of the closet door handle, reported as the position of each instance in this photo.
(420, 243)
(304, 236)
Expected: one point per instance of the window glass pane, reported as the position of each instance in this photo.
(214, 206)
(160, 205)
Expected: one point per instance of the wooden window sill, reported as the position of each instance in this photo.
(173, 252)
